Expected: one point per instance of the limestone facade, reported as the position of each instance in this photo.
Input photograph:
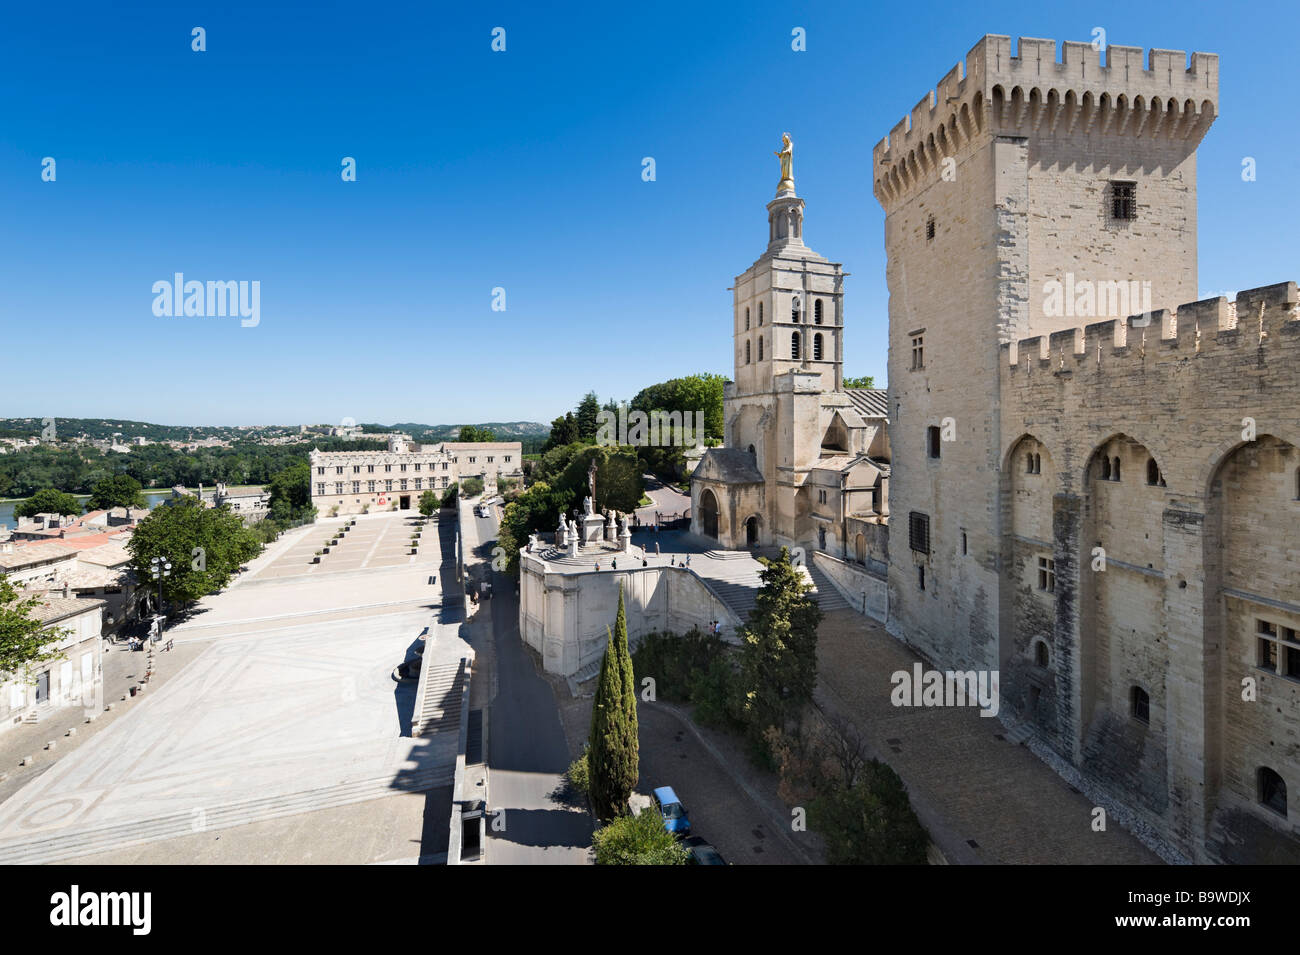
(801, 455)
(399, 474)
(1109, 513)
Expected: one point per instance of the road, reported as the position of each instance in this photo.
(667, 500)
(527, 753)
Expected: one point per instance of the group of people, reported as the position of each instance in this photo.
(715, 628)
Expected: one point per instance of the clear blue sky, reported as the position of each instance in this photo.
(478, 169)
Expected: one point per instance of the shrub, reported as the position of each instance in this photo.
(472, 486)
(576, 774)
(673, 659)
(871, 822)
(637, 840)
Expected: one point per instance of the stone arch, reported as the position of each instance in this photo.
(1027, 615)
(817, 350)
(1250, 512)
(794, 346)
(709, 513)
(1123, 619)
(753, 526)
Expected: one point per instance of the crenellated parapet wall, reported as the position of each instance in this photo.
(1121, 90)
(1261, 318)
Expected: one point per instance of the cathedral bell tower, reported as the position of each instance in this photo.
(789, 305)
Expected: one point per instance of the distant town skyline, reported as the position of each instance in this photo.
(478, 171)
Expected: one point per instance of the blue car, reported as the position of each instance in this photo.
(672, 811)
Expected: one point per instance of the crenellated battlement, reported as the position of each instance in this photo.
(1259, 318)
(1087, 91)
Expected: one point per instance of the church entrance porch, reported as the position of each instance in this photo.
(709, 513)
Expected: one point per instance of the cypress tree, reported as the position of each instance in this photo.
(612, 744)
(632, 767)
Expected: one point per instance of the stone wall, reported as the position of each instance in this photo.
(865, 592)
(563, 614)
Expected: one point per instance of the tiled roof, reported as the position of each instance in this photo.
(51, 609)
(34, 553)
(870, 402)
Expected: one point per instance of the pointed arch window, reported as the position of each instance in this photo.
(794, 345)
(746, 353)
(795, 314)
(760, 349)
(817, 347)
(817, 311)
(746, 319)
(760, 314)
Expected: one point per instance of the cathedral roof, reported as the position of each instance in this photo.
(870, 402)
(728, 466)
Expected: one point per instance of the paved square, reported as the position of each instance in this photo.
(292, 708)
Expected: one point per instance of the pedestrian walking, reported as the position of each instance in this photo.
(616, 563)
(656, 548)
(688, 560)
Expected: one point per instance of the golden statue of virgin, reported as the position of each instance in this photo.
(786, 156)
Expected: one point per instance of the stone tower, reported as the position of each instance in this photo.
(1024, 196)
(789, 323)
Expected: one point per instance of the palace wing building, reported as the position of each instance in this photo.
(355, 481)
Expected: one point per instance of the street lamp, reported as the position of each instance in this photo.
(159, 568)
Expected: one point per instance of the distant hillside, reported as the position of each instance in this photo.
(102, 428)
(504, 430)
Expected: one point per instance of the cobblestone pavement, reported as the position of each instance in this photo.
(979, 794)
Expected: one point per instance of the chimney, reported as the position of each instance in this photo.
(67, 589)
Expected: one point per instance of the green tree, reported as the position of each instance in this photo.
(612, 748)
(778, 659)
(206, 546)
(586, 414)
(48, 501)
(471, 433)
(564, 430)
(619, 482)
(471, 486)
(866, 381)
(870, 822)
(119, 490)
(536, 509)
(698, 394)
(428, 503)
(292, 487)
(638, 840)
(23, 642)
(449, 496)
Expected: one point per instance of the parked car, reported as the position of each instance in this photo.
(700, 852)
(672, 811)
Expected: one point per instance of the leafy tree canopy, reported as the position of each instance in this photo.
(473, 433)
(48, 501)
(865, 381)
(695, 393)
(22, 641)
(206, 547)
(119, 490)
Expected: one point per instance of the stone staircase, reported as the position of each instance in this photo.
(825, 593)
(442, 688)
